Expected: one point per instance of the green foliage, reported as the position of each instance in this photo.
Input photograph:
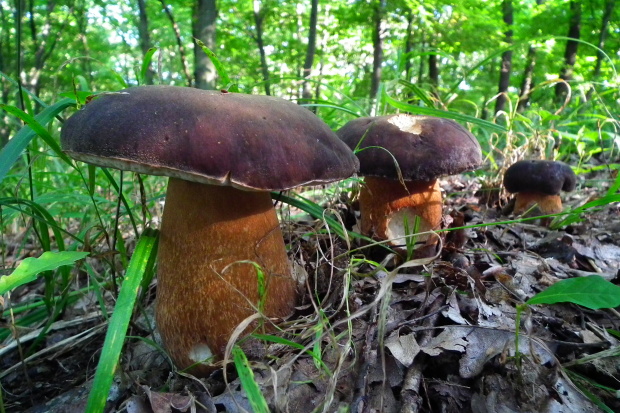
(593, 292)
(30, 268)
(142, 262)
(246, 376)
(71, 53)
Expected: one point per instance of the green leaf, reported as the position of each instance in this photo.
(219, 67)
(13, 149)
(420, 110)
(38, 129)
(592, 292)
(146, 63)
(141, 262)
(246, 376)
(30, 268)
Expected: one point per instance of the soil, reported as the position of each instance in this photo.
(425, 335)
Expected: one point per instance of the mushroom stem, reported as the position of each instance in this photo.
(385, 204)
(203, 290)
(547, 204)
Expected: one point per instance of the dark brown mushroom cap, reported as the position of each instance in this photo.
(547, 177)
(424, 147)
(247, 141)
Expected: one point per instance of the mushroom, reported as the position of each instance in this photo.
(223, 153)
(401, 156)
(539, 182)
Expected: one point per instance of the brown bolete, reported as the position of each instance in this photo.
(539, 182)
(223, 153)
(401, 156)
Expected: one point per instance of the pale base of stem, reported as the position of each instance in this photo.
(204, 289)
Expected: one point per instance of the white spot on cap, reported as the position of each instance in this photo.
(407, 123)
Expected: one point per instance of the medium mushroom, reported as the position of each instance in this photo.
(401, 156)
(223, 153)
(539, 182)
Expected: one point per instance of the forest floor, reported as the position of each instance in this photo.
(437, 337)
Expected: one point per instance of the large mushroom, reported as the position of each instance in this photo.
(223, 153)
(539, 182)
(401, 156)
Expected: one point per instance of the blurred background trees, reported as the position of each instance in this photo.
(483, 59)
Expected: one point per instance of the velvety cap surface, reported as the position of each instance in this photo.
(547, 177)
(247, 141)
(423, 147)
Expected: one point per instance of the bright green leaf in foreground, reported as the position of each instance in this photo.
(593, 292)
(142, 261)
(30, 268)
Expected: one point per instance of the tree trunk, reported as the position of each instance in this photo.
(306, 93)
(609, 9)
(433, 74)
(570, 53)
(506, 65)
(377, 43)
(204, 29)
(528, 79)
(408, 45)
(177, 35)
(527, 84)
(145, 38)
(259, 18)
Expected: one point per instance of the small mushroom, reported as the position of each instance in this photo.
(401, 156)
(223, 153)
(539, 182)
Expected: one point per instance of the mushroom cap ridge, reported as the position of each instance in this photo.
(247, 141)
(424, 147)
(547, 177)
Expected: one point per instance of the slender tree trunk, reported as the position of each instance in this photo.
(44, 41)
(204, 29)
(259, 18)
(433, 74)
(310, 52)
(177, 35)
(609, 9)
(408, 45)
(145, 38)
(570, 53)
(528, 79)
(506, 65)
(527, 83)
(377, 43)
(4, 87)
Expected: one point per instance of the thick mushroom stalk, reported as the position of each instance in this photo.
(390, 209)
(204, 288)
(248, 145)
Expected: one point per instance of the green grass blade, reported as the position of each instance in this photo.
(246, 376)
(219, 67)
(30, 268)
(13, 149)
(141, 262)
(420, 110)
(421, 94)
(38, 129)
(313, 209)
(148, 57)
(575, 215)
(593, 292)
